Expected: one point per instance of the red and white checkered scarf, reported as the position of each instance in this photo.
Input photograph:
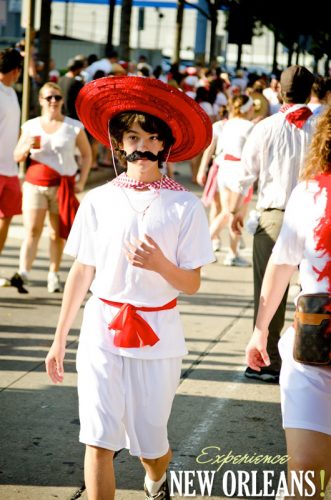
(124, 181)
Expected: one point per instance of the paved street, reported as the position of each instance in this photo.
(215, 406)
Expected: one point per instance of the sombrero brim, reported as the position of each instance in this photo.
(100, 100)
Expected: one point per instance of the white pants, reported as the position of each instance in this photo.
(125, 402)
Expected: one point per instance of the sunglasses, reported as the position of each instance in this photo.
(55, 97)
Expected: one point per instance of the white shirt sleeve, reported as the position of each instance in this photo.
(81, 241)
(194, 244)
(290, 244)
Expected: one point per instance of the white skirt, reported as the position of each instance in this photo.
(305, 391)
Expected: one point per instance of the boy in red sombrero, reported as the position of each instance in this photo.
(138, 241)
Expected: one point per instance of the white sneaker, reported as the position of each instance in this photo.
(242, 243)
(25, 277)
(216, 245)
(53, 283)
(4, 282)
(236, 261)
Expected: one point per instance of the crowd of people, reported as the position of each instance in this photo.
(241, 133)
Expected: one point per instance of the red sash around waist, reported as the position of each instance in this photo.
(131, 330)
(231, 158)
(42, 175)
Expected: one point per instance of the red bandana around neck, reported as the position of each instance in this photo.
(297, 117)
(322, 232)
(124, 181)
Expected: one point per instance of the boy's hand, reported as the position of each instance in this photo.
(145, 254)
(54, 362)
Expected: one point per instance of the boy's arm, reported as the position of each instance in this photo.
(149, 256)
(78, 283)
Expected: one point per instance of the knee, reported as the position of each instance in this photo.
(149, 461)
(155, 461)
(226, 215)
(34, 232)
(303, 462)
(53, 235)
(99, 454)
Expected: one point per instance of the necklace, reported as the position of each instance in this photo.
(143, 212)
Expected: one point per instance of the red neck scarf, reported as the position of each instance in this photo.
(124, 181)
(322, 232)
(298, 116)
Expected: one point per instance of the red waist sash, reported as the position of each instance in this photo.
(231, 158)
(131, 330)
(42, 175)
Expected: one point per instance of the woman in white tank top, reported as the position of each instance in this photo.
(51, 140)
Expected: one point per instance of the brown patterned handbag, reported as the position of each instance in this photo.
(312, 323)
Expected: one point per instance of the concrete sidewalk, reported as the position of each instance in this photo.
(215, 407)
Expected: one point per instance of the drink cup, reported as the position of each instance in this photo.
(36, 142)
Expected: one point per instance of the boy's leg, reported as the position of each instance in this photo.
(156, 486)
(156, 467)
(151, 386)
(99, 473)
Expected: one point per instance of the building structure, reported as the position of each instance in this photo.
(84, 24)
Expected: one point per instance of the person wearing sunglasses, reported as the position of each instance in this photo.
(51, 181)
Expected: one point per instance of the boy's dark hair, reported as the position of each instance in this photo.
(10, 59)
(123, 122)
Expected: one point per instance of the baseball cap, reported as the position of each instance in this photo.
(296, 82)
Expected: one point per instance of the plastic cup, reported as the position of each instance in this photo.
(36, 142)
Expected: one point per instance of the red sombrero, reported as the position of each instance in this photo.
(100, 100)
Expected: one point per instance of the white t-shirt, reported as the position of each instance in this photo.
(233, 136)
(102, 65)
(9, 129)
(240, 82)
(295, 244)
(221, 99)
(209, 109)
(217, 131)
(57, 149)
(106, 218)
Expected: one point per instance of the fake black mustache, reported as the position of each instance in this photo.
(140, 155)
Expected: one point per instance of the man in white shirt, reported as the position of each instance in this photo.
(105, 64)
(10, 190)
(273, 154)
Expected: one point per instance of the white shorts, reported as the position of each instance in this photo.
(125, 402)
(228, 176)
(305, 391)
